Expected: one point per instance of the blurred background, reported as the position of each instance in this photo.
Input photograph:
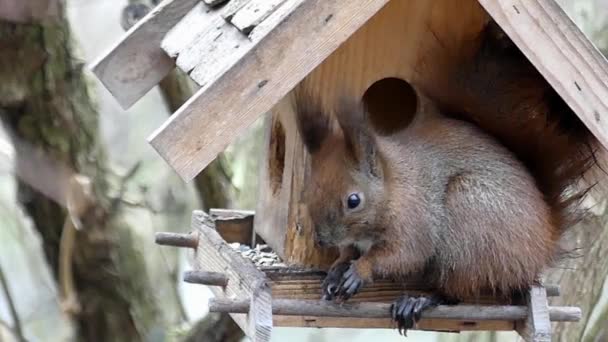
(122, 287)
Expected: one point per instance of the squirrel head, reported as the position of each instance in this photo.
(345, 191)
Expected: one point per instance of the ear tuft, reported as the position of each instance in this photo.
(313, 123)
(358, 136)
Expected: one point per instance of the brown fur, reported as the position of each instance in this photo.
(476, 206)
(499, 90)
(440, 194)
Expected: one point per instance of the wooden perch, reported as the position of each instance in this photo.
(206, 278)
(289, 307)
(177, 240)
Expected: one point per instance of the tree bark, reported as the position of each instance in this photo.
(44, 101)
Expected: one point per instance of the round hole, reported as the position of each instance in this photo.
(391, 104)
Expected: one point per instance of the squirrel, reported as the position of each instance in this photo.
(475, 193)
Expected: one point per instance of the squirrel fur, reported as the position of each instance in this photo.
(475, 193)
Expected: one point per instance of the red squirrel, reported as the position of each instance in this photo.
(477, 202)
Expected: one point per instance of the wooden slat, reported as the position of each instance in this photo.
(384, 323)
(233, 7)
(536, 327)
(244, 280)
(137, 63)
(252, 14)
(560, 51)
(289, 283)
(230, 104)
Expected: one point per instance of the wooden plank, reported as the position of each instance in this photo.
(380, 291)
(230, 104)
(562, 54)
(536, 326)
(136, 63)
(197, 21)
(233, 7)
(245, 281)
(385, 323)
(26, 11)
(252, 14)
(461, 312)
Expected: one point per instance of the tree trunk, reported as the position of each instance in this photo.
(583, 280)
(44, 101)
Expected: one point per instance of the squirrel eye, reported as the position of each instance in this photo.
(353, 201)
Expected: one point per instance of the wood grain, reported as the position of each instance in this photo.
(245, 281)
(136, 63)
(222, 111)
(562, 54)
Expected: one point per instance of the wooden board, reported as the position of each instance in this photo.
(562, 54)
(213, 254)
(136, 63)
(382, 323)
(305, 284)
(223, 110)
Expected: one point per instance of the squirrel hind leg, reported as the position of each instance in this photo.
(407, 310)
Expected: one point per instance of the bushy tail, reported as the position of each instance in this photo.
(498, 89)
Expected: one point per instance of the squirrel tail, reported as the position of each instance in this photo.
(495, 87)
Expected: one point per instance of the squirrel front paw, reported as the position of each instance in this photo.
(344, 280)
(352, 282)
(332, 281)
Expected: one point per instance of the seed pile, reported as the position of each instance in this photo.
(261, 255)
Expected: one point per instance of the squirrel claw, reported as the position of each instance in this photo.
(407, 311)
(333, 280)
(351, 283)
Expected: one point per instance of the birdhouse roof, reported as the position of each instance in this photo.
(248, 54)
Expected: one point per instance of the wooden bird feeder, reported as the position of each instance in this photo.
(247, 56)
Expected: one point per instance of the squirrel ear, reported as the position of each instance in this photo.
(313, 123)
(360, 140)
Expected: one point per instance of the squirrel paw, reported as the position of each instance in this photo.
(350, 284)
(406, 311)
(332, 281)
